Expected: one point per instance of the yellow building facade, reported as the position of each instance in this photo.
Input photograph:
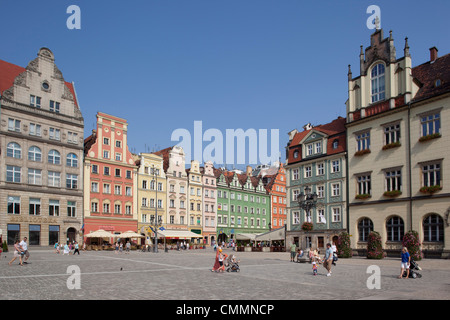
(152, 194)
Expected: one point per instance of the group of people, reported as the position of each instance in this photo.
(21, 252)
(67, 248)
(328, 260)
(119, 247)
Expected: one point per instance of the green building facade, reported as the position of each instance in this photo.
(243, 205)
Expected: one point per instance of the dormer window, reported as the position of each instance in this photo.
(295, 154)
(335, 144)
(378, 83)
(437, 83)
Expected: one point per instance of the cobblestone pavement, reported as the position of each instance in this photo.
(186, 275)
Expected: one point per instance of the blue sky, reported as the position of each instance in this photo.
(261, 64)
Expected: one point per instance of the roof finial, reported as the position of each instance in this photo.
(406, 50)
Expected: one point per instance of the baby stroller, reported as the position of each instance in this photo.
(413, 270)
(232, 265)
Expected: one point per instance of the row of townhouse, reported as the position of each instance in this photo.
(382, 168)
(56, 186)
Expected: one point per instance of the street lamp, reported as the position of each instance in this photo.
(307, 201)
(155, 221)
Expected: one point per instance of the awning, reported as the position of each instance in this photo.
(277, 234)
(246, 236)
(178, 234)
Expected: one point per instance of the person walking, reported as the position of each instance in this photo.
(76, 249)
(17, 253)
(25, 253)
(328, 259)
(293, 252)
(406, 261)
(334, 249)
(128, 247)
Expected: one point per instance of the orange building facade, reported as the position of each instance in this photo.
(110, 178)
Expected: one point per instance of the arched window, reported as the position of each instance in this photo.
(365, 227)
(433, 228)
(54, 157)
(13, 150)
(395, 229)
(72, 160)
(378, 83)
(34, 154)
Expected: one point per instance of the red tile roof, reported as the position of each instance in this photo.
(427, 74)
(335, 130)
(9, 72)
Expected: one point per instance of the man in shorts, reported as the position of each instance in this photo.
(293, 252)
(25, 254)
(328, 259)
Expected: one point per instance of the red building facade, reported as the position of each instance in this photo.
(110, 178)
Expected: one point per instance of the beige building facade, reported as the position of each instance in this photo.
(41, 163)
(397, 144)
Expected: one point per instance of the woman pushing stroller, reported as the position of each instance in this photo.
(219, 262)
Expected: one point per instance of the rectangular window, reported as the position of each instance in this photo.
(71, 181)
(392, 134)
(431, 175)
(13, 125)
(295, 174)
(335, 166)
(296, 217)
(35, 206)
(320, 169)
(54, 134)
(364, 185)
(393, 180)
(336, 214)
(72, 137)
(54, 179)
(71, 209)
(94, 207)
(320, 192)
(35, 101)
(13, 174)
(54, 106)
(35, 129)
(308, 172)
(13, 205)
(35, 176)
(34, 234)
(431, 124)
(94, 168)
(53, 208)
(363, 141)
(335, 189)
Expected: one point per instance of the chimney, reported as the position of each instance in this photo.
(433, 54)
(249, 170)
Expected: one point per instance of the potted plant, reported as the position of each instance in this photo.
(307, 226)
(374, 246)
(412, 243)
(344, 249)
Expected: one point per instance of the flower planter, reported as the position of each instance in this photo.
(430, 189)
(391, 145)
(362, 152)
(363, 196)
(429, 137)
(392, 194)
(307, 226)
